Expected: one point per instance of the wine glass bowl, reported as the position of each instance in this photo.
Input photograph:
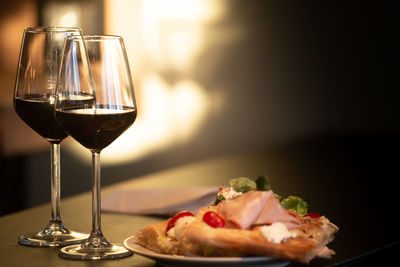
(96, 128)
(37, 72)
(36, 110)
(34, 99)
(95, 104)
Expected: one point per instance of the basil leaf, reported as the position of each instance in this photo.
(218, 199)
(296, 204)
(242, 184)
(263, 183)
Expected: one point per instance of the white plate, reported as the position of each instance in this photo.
(175, 260)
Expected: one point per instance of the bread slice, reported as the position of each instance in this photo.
(153, 237)
(198, 238)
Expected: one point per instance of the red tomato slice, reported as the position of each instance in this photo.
(312, 215)
(172, 221)
(213, 219)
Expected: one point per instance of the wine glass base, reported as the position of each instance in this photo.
(77, 252)
(52, 240)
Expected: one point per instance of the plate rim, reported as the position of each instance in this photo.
(130, 244)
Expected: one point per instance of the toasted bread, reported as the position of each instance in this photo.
(198, 238)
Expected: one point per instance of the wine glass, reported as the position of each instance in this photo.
(95, 68)
(37, 72)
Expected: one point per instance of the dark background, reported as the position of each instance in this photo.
(313, 77)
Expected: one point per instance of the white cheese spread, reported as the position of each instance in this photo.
(276, 232)
(229, 193)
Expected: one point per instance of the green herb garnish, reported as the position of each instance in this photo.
(262, 183)
(218, 199)
(296, 204)
(242, 184)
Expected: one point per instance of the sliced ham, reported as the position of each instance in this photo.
(244, 210)
(274, 212)
(256, 208)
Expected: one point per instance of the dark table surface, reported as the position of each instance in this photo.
(350, 180)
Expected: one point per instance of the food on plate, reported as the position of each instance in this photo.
(246, 219)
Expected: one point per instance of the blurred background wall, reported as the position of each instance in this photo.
(211, 77)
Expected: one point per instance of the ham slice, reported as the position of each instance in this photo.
(274, 212)
(244, 210)
(256, 208)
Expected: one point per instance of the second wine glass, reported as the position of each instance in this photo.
(95, 104)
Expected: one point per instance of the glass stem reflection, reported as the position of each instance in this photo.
(96, 194)
(96, 238)
(55, 183)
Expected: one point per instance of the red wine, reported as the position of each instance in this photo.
(37, 111)
(96, 128)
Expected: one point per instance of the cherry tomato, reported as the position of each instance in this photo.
(312, 215)
(172, 221)
(213, 219)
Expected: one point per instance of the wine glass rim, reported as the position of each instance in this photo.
(44, 29)
(97, 37)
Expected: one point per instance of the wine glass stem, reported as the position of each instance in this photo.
(55, 182)
(96, 198)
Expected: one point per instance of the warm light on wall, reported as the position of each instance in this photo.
(12, 24)
(161, 37)
(173, 116)
(174, 30)
(69, 18)
(61, 14)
